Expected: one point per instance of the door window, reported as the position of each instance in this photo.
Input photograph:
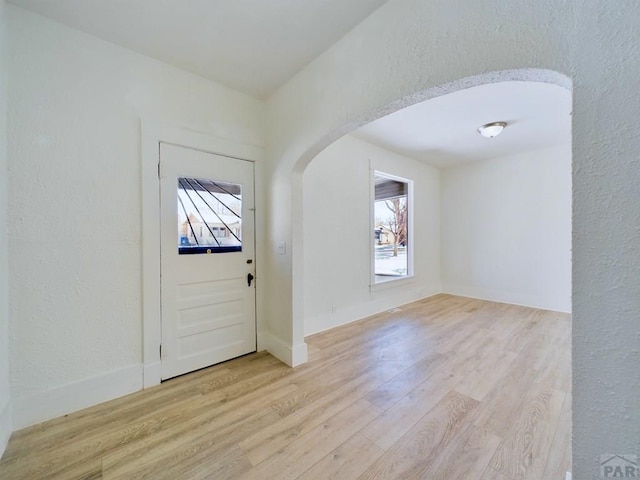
(209, 216)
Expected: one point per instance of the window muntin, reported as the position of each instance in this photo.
(209, 216)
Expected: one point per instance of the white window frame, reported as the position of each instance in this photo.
(391, 281)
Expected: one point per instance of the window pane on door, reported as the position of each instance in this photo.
(209, 216)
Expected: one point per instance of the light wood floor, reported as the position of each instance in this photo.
(445, 388)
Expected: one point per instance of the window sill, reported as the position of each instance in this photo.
(391, 283)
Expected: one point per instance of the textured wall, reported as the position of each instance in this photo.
(75, 203)
(400, 55)
(81, 98)
(337, 233)
(606, 233)
(506, 229)
(5, 412)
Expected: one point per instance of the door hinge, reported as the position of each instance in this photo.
(160, 351)
(159, 176)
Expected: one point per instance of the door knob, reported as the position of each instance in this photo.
(249, 279)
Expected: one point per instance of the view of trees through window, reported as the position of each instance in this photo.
(391, 229)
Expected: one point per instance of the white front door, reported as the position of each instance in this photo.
(207, 259)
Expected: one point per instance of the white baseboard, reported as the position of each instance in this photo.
(262, 339)
(523, 300)
(76, 396)
(299, 354)
(292, 355)
(152, 374)
(6, 426)
(353, 313)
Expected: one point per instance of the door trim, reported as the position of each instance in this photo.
(153, 133)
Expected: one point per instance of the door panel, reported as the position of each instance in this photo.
(207, 251)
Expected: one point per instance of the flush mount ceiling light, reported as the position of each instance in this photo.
(491, 130)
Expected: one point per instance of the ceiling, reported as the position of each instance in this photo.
(250, 45)
(257, 45)
(443, 131)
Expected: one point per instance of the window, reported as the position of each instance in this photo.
(391, 228)
(209, 216)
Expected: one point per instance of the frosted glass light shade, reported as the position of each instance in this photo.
(491, 130)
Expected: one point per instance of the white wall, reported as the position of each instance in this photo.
(400, 55)
(337, 234)
(5, 398)
(75, 205)
(506, 229)
(403, 53)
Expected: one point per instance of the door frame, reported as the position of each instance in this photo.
(154, 133)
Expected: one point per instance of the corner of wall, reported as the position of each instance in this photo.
(6, 423)
(292, 355)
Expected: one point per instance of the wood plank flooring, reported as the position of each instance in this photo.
(444, 388)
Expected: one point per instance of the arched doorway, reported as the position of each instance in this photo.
(522, 75)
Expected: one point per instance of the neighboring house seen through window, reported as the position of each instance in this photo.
(391, 229)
